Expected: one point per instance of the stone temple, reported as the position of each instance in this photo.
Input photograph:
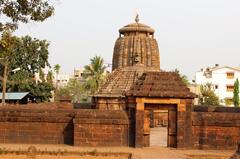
(124, 108)
(138, 86)
(135, 52)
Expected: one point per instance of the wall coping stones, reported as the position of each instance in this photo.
(216, 109)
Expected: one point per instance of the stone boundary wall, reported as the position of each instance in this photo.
(101, 128)
(41, 126)
(64, 126)
(215, 127)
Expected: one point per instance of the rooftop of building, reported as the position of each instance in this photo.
(160, 84)
(121, 80)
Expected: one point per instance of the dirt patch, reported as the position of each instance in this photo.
(57, 157)
(207, 157)
(33, 153)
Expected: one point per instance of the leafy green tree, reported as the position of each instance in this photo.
(183, 77)
(42, 92)
(236, 94)
(207, 96)
(23, 11)
(30, 55)
(94, 74)
(74, 90)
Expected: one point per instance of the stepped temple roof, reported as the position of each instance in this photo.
(160, 84)
(121, 80)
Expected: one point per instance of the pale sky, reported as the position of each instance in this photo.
(191, 34)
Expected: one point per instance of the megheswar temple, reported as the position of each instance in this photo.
(125, 105)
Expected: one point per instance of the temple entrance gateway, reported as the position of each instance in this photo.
(161, 121)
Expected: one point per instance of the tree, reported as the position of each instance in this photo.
(23, 11)
(74, 90)
(236, 93)
(94, 74)
(7, 49)
(57, 70)
(30, 55)
(207, 96)
(183, 77)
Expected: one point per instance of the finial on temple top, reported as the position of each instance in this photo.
(137, 18)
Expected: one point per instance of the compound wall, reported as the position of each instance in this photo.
(64, 126)
(215, 127)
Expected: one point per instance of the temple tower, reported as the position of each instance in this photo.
(136, 45)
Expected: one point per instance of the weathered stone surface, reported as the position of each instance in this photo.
(101, 128)
(49, 126)
(237, 153)
(136, 45)
(218, 128)
(161, 85)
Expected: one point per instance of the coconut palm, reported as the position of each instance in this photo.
(94, 74)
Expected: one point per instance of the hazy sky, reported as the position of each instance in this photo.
(191, 33)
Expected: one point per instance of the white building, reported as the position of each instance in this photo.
(222, 79)
(61, 80)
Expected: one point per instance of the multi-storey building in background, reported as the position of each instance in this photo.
(221, 78)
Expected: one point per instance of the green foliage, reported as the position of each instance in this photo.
(183, 77)
(228, 101)
(30, 55)
(23, 11)
(50, 77)
(74, 90)
(57, 68)
(27, 53)
(94, 74)
(42, 92)
(236, 94)
(207, 96)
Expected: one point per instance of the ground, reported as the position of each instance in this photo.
(138, 153)
(158, 136)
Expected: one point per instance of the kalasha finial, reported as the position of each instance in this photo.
(137, 18)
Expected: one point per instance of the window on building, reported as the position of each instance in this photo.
(216, 86)
(230, 88)
(230, 75)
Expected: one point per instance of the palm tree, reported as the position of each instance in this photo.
(94, 74)
(57, 70)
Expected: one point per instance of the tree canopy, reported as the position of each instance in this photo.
(74, 91)
(94, 74)
(183, 77)
(14, 11)
(236, 93)
(207, 96)
(30, 56)
(57, 68)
